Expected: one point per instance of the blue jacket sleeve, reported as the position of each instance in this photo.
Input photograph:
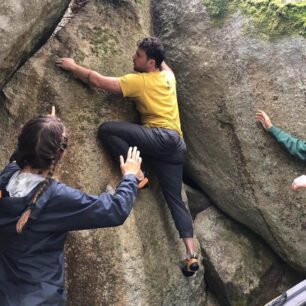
(293, 145)
(70, 209)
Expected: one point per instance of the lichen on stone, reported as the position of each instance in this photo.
(216, 8)
(272, 17)
(102, 41)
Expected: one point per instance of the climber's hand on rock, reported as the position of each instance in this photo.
(65, 63)
(299, 182)
(263, 118)
(133, 162)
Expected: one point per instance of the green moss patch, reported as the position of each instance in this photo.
(216, 8)
(271, 17)
(102, 41)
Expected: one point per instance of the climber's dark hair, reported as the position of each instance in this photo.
(154, 49)
(40, 145)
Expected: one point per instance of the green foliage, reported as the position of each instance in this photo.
(271, 17)
(216, 8)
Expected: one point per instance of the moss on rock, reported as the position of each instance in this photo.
(216, 8)
(272, 17)
(102, 41)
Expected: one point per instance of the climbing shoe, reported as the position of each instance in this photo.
(143, 183)
(191, 265)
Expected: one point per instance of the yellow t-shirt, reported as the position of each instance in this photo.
(155, 93)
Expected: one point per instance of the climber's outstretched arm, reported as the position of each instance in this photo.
(90, 77)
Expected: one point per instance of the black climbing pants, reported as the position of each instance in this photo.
(165, 150)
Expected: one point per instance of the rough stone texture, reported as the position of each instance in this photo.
(225, 73)
(197, 201)
(240, 270)
(23, 26)
(138, 263)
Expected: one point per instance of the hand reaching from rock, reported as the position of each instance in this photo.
(65, 63)
(263, 118)
(133, 162)
(299, 182)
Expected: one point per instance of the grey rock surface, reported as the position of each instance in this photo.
(197, 201)
(239, 268)
(225, 73)
(138, 263)
(23, 26)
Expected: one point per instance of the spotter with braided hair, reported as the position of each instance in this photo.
(36, 213)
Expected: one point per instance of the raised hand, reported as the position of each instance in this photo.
(299, 182)
(133, 162)
(263, 118)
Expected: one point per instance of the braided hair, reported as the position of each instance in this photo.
(40, 145)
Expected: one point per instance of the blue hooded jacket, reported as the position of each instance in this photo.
(32, 263)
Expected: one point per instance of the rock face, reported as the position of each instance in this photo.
(225, 73)
(197, 201)
(240, 270)
(23, 26)
(138, 263)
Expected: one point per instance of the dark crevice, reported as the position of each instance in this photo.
(73, 9)
(188, 180)
(4, 113)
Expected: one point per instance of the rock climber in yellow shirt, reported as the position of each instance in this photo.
(159, 137)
